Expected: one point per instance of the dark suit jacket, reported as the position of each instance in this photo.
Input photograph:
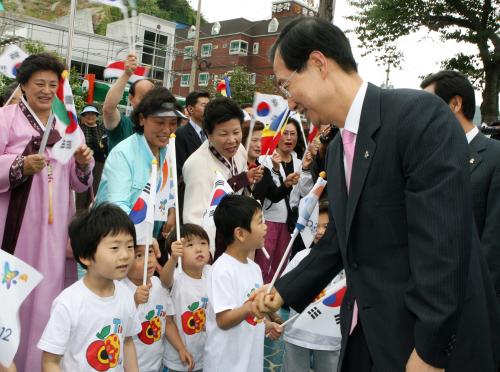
(485, 176)
(406, 238)
(187, 141)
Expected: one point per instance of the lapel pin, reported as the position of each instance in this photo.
(471, 160)
(367, 154)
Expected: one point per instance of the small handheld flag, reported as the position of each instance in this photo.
(10, 60)
(167, 187)
(63, 108)
(305, 210)
(116, 69)
(17, 280)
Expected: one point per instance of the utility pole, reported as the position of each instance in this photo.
(71, 31)
(327, 10)
(194, 57)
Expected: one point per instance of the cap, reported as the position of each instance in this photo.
(168, 109)
(89, 109)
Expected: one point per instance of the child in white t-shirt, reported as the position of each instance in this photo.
(189, 292)
(92, 322)
(302, 346)
(155, 310)
(235, 340)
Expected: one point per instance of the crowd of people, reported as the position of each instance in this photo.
(410, 219)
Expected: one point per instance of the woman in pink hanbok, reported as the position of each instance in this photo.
(36, 203)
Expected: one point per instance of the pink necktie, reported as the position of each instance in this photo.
(349, 142)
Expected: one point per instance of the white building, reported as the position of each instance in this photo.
(91, 53)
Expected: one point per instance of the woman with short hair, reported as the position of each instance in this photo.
(36, 203)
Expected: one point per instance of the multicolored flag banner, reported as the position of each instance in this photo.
(142, 213)
(63, 108)
(17, 280)
(224, 88)
(10, 60)
(116, 69)
(271, 134)
(322, 317)
(165, 193)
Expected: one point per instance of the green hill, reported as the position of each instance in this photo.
(173, 10)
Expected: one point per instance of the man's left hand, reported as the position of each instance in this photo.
(416, 364)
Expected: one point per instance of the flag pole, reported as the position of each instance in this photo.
(176, 196)
(71, 32)
(151, 205)
(12, 95)
(46, 133)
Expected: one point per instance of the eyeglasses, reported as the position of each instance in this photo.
(283, 87)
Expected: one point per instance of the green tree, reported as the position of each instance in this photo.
(383, 22)
(242, 89)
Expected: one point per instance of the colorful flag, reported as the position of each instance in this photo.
(10, 60)
(17, 280)
(116, 69)
(224, 88)
(115, 3)
(307, 222)
(322, 317)
(63, 108)
(165, 193)
(271, 134)
(143, 211)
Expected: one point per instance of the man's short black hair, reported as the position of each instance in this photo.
(87, 230)
(131, 90)
(150, 104)
(233, 211)
(220, 110)
(192, 97)
(303, 35)
(448, 84)
(38, 62)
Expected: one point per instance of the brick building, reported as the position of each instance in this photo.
(234, 42)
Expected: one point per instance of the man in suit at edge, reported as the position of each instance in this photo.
(190, 136)
(418, 293)
(484, 163)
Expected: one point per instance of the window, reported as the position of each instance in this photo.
(192, 32)
(206, 50)
(252, 78)
(185, 78)
(203, 79)
(273, 25)
(216, 28)
(188, 52)
(238, 47)
(255, 48)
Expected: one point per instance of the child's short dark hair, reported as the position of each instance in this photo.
(187, 230)
(233, 211)
(323, 206)
(88, 229)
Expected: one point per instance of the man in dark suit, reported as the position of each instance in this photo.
(456, 90)
(190, 136)
(418, 293)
